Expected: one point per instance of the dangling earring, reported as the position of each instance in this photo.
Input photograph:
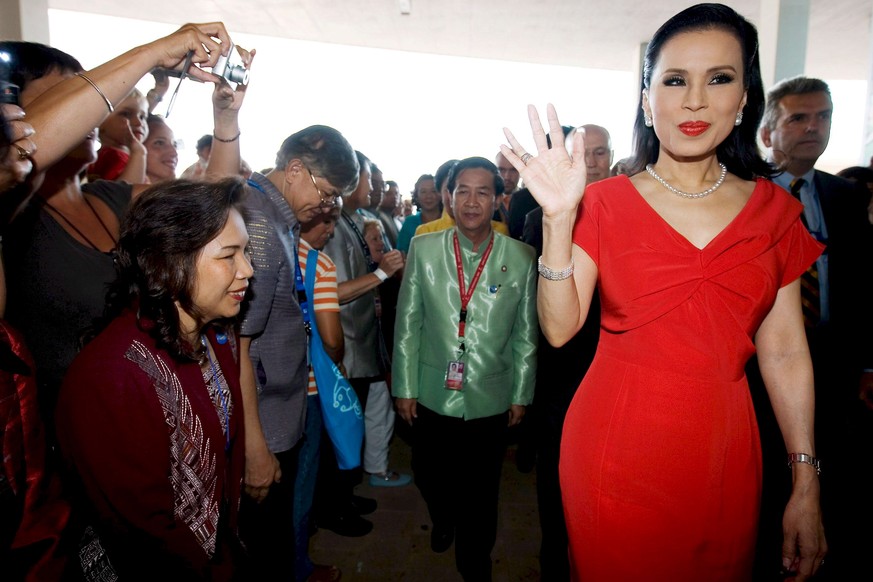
(647, 119)
(739, 119)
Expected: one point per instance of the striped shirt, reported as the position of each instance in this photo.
(326, 298)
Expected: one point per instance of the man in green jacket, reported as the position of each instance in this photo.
(465, 363)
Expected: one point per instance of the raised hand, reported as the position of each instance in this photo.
(17, 164)
(204, 41)
(225, 98)
(391, 262)
(555, 177)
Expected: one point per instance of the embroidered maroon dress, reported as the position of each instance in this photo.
(145, 440)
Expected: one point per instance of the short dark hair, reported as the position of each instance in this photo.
(477, 162)
(363, 161)
(162, 236)
(442, 173)
(739, 151)
(29, 61)
(326, 152)
(863, 174)
(799, 85)
(204, 142)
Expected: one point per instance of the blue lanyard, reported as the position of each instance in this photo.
(301, 295)
(217, 383)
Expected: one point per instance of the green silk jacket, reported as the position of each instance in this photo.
(501, 329)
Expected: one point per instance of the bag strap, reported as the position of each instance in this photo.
(309, 284)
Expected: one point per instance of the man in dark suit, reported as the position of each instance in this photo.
(796, 126)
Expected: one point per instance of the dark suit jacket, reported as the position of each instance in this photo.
(522, 203)
(532, 233)
(850, 257)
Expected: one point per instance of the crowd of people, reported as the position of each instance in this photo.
(673, 337)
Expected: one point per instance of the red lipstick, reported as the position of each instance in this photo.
(693, 128)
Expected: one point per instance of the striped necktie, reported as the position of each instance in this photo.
(809, 286)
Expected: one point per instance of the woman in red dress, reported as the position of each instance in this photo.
(697, 257)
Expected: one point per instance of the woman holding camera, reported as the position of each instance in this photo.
(59, 245)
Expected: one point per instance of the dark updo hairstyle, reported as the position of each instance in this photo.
(739, 151)
(162, 236)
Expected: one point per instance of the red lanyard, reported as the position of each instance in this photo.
(467, 294)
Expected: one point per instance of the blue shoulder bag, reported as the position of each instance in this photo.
(340, 407)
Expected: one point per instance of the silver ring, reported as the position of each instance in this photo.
(23, 154)
(526, 158)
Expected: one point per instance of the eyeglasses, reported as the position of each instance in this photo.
(327, 200)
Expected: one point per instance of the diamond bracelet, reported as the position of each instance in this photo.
(547, 273)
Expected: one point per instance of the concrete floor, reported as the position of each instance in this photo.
(398, 548)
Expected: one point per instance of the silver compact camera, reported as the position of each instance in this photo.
(231, 67)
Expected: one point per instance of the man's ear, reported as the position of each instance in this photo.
(765, 136)
(293, 169)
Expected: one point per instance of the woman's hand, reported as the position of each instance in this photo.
(804, 546)
(225, 99)
(204, 41)
(16, 165)
(555, 177)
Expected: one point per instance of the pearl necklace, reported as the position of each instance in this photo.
(678, 192)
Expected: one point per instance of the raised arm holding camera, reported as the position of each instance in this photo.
(60, 242)
(59, 249)
(64, 116)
